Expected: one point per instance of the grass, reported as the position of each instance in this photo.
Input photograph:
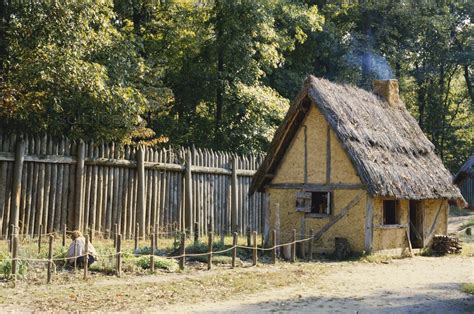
(468, 288)
(470, 223)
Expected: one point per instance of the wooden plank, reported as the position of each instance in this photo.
(79, 187)
(318, 187)
(47, 186)
(53, 190)
(234, 200)
(141, 202)
(16, 187)
(369, 224)
(188, 193)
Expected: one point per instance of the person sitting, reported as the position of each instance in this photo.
(77, 249)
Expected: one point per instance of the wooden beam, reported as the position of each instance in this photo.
(318, 187)
(369, 224)
(328, 154)
(336, 218)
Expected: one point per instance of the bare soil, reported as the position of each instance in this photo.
(421, 284)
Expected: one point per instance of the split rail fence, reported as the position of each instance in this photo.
(47, 183)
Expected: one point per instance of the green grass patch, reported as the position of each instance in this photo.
(468, 288)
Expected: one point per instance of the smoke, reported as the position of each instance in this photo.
(371, 63)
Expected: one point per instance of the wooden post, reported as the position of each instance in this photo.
(85, 257)
(39, 238)
(234, 250)
(152, 256)
(196, 233)
(12, 234)
(79, 187)
(311, 243)
(188, 196)
(274, 249)
(234, 191)
(50, 258)
(64, 235)
(141, 200)
(14, 255)
(209, 250)
(254, 255)
(182, 251)
(137, 228)
(16, 185)
(249, 239)
(118, 256)
(293, 247)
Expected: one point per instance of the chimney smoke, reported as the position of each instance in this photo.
(388, 89)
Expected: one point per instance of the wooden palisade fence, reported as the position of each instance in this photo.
(51, 183)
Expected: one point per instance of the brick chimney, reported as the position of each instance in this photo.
(388, 89)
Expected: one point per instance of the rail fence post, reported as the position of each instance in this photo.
(64, 235)
(274, 249)
(210, 240)
(118, 256)
(249, 240)
(14, 256)
(137, 228)
(196, 233)
(50, 258)
(234, 250)
(85, 256)
(188, 196)
(233, 195)
(254, 255)
(182, 251)
(293, 247)
(311, 242)
(39, 238)
(141, 199)
(152, 256)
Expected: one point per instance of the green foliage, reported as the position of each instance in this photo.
(6, 268)
(220, 74)
(468, 288)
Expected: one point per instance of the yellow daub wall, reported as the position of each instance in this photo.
(291, 168)
(350, 226)
(385, 238)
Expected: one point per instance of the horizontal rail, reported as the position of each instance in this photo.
(57, 159)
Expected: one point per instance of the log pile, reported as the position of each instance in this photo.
(443, 244)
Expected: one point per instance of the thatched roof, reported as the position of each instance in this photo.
(391, 154)
(466, 171)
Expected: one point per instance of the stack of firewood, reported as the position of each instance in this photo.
(443, 244)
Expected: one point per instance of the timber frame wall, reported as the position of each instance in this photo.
(50, 182)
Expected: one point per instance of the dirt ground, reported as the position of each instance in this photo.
(421, 284)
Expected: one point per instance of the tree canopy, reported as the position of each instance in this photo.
(220, 74)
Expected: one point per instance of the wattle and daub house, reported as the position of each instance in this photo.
(354, 164)
(465, 180)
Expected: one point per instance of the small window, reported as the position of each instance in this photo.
(390, 214)
(314, 202)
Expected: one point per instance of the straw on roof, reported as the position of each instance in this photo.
(466, 171)
(387, 147)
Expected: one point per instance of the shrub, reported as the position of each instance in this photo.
(6, 268)
(160, 263)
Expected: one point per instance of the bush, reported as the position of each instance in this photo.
(160, 263)
(6, 268)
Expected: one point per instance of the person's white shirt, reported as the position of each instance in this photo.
(77, 248)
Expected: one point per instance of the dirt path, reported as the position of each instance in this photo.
(419, 285)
